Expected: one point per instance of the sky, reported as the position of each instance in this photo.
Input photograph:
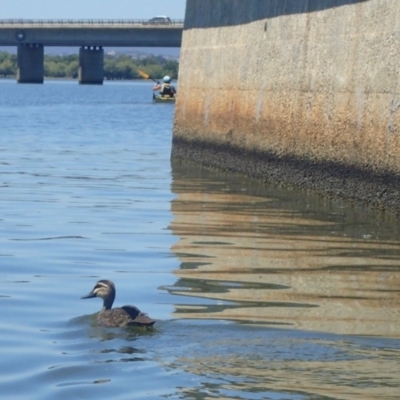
(91, 9)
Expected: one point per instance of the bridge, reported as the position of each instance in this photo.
(31, 36)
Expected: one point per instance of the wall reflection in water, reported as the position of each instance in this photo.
(268, 255)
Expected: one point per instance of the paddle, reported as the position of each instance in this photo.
(146, 76)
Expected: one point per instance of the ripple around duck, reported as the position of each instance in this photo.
(80, 358)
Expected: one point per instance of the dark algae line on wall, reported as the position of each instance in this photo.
(327, 178)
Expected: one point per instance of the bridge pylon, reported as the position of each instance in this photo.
(30, 59)
(91, 65)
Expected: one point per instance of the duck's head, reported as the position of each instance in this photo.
(105, 290)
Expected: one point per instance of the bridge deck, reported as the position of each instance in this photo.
(113, 33)
(87, 23)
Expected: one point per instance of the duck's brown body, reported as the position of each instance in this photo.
(124, 316)
(117, 317)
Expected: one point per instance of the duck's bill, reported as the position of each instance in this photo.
(88, 296)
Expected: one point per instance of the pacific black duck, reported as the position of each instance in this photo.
(120, 316)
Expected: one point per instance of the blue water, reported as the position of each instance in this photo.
(259, 292)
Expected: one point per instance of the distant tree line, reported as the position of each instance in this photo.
(115, 67)
(8, 64)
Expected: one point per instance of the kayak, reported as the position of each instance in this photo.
(158, 98)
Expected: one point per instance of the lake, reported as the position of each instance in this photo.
(259, 292)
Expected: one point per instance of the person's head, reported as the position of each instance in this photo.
(167, 79)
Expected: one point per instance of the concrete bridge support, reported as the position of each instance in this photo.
(30, 63)
(91, 60)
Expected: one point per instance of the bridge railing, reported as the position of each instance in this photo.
(40, 22)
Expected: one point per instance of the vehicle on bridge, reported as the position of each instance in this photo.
(160, 20)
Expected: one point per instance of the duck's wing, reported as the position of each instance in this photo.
(132, 311)
(114, 317)
(137, 317)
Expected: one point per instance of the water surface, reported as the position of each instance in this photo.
(259, 292)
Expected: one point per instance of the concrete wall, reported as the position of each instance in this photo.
(299, 91)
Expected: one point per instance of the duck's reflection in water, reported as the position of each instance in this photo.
(109, 345)
(130, 354)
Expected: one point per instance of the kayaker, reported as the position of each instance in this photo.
(166, 89)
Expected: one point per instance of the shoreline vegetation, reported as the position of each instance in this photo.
(116, 67)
